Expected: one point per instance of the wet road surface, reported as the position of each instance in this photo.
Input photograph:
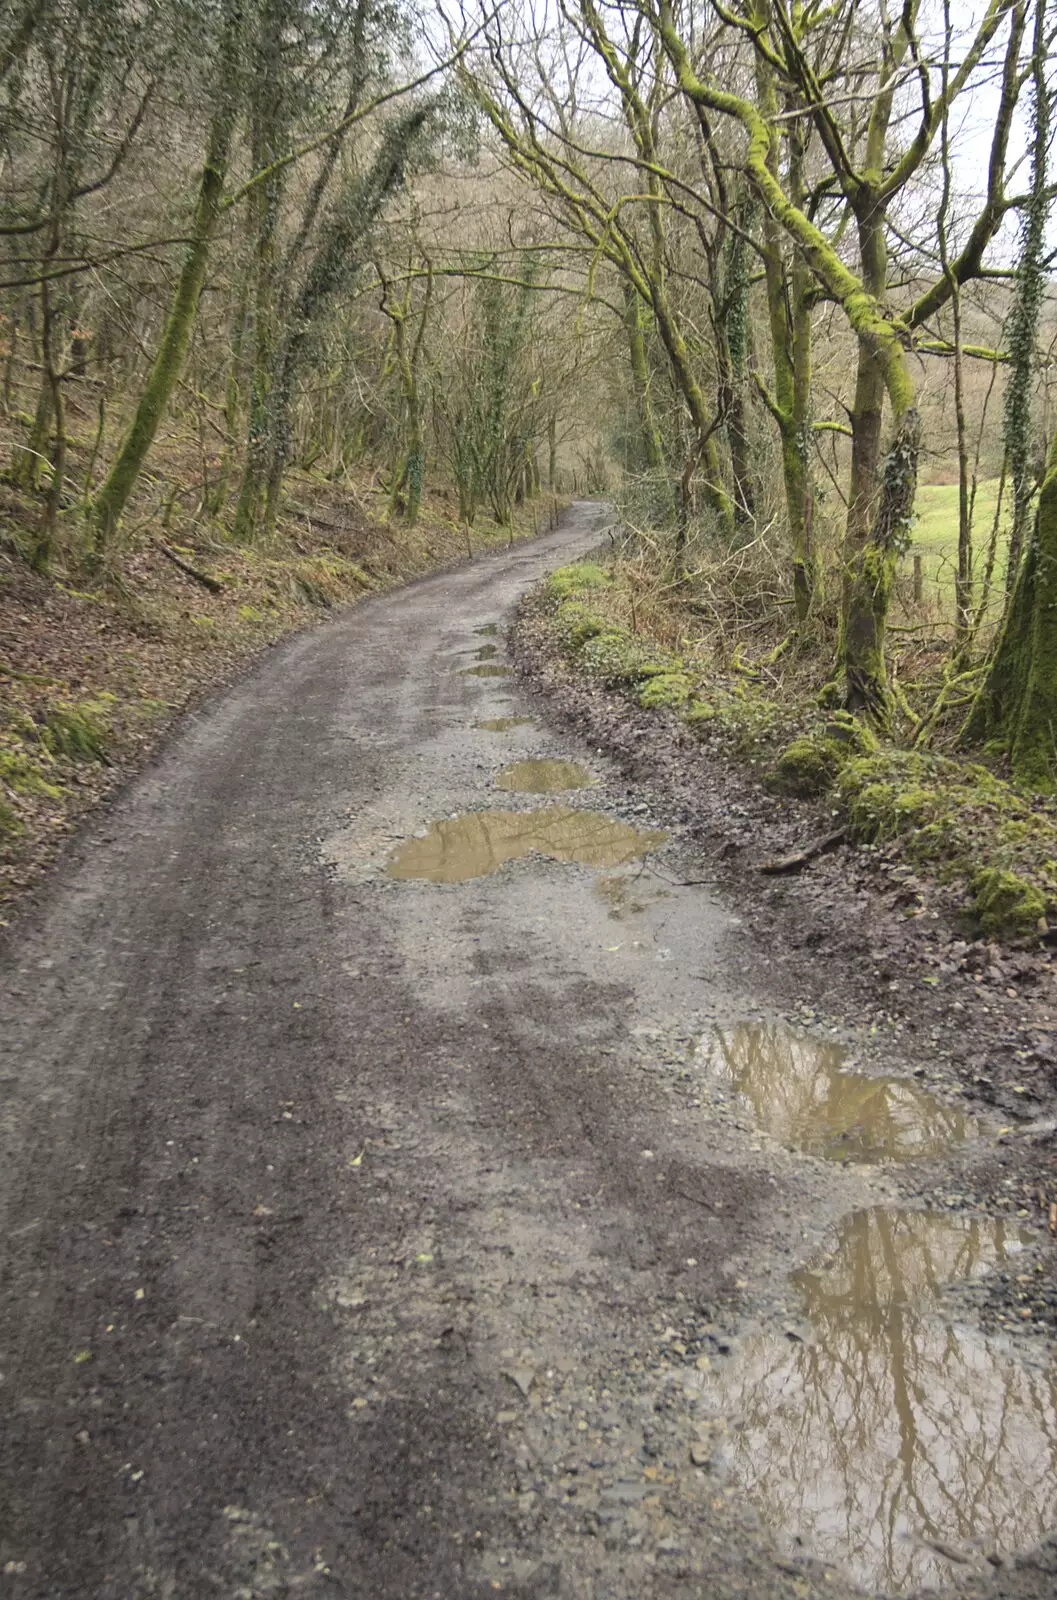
(380, 1158)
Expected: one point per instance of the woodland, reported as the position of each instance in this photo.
(773, 277)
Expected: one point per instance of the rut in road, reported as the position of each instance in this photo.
(366, 1228)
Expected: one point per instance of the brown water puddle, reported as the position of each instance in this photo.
(801, 1094)
(543, 776)
(891, 1429)
(485, 652)
(489, 671)
(489, 630)
(503, 724)
(479, 842)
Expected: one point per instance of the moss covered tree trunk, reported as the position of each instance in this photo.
(269, 124)
(168, 362)
(649, 433)
(880, 502)
(870, 589)
(410, 469)
(250, 509)
(1017, 706)
(789, 324)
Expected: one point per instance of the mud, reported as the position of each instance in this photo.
(491, 671)
(543, 775)
(376, 1235)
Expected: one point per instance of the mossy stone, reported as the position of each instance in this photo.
(666, 690)
(850, 732)
(1007, 905)
(805, 768)
(575, 577)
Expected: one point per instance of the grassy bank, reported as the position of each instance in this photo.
(955, 820)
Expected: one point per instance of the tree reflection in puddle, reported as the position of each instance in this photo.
(801, 1094)
(893, 1426)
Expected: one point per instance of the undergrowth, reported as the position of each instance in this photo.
(956, 820)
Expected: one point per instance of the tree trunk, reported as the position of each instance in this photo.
(1017, 706)
(731, 333)
(30, 459)
(880, 506)
(168, 363)
(870, 592)
(789, 322)
(649, 435)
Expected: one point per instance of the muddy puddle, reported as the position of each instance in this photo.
(485, 652)
(627, 896)
(543, 776)
(488, 630)
(504, 724)
(891, 1434)
(489, 670)
(802, 1094)
(480, 842)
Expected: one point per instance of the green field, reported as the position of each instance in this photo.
(935, 539)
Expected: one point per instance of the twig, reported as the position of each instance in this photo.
(829, 841)
(214, 585)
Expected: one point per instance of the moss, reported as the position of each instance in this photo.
(698, 713)
(575, 623)
(912, 807)
(852, 733)
(807, 767)
(620, 658)
(963, 824)
(312, 592)
(666, 690)
(576, 577)
(23, 773)
(871, 809)
(1007, 905)
(78, 732)
(9, 823)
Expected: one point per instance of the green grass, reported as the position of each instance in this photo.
(935, 539)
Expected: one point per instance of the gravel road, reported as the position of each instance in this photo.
(368, 1225)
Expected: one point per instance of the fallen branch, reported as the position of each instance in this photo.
(214, 585)
(829, 841)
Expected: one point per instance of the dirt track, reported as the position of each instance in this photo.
(371, 1236)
